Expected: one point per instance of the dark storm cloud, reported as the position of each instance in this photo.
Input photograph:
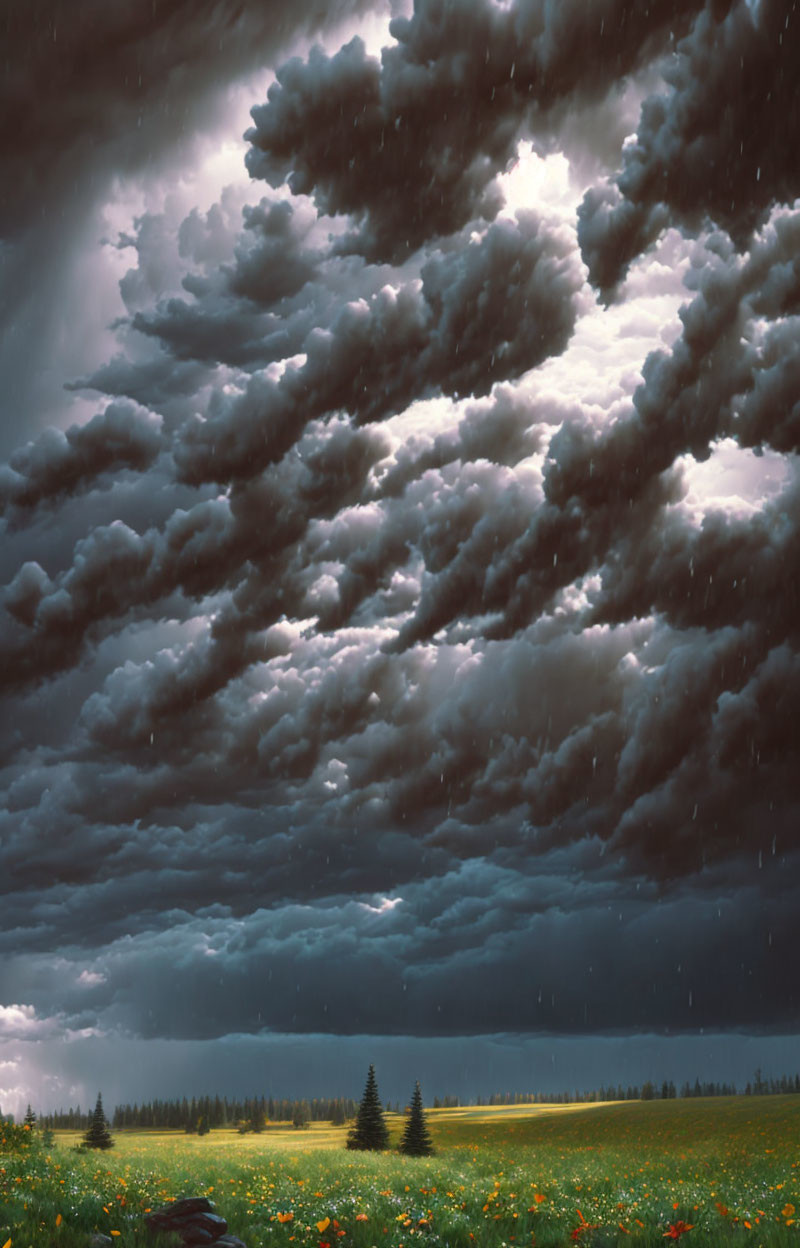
(605, 490)
(501, 433)
(248, 263)
(484, 312)
(95, 92)
(409, 146)
(100, 89)
(379, 669)
(59, 464)
(401, 968)
(117, 572)
(718, 147)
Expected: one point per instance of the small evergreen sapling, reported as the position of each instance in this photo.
(369, 1130)
(416, 1141)
(98, 1134)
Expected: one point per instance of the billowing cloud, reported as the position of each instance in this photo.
(714, 148)
(447, 100)
(391, 622)
(58, 465)
(20, 1022)
(115, 97)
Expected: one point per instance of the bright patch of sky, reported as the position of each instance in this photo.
(734, 478)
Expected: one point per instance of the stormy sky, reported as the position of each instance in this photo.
(400, 501)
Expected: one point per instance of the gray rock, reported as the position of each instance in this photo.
(210, 1222)
(195, 1236)
(192, 1218)
(183, 1208)
(100, 1241)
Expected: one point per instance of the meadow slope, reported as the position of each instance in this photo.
(708, 1171)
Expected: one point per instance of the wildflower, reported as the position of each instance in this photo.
(286, 1217)
(59, 1220)
(787, 1210)
(677, 1229)
(323, 1225)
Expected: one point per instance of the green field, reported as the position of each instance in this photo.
(597, 1175)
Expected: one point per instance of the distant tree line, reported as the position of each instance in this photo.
(648, 1091)
(254, 1113)
(772, 1087)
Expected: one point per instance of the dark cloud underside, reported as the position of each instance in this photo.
(348, 658)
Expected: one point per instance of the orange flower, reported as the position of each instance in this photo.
(286, 1217)
(323, 1225)
(7, 1244)
(677, 1229)
(59, 1220)
(361, 1217)
(787, 1210)
(723, 1209)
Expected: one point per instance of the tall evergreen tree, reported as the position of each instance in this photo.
(416, 1141)
(369, 1130)
(30, 1118)
(98, 1134)
(301, 1115)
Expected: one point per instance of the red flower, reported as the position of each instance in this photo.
(676, 1229)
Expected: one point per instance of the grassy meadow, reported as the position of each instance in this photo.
(708, 1171)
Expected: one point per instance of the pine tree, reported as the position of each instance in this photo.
(301, 1115)
(369, 1130)
(416, 1141)
(98, 1134)
(30, 1119)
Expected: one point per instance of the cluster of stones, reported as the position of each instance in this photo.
(194, 1220)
